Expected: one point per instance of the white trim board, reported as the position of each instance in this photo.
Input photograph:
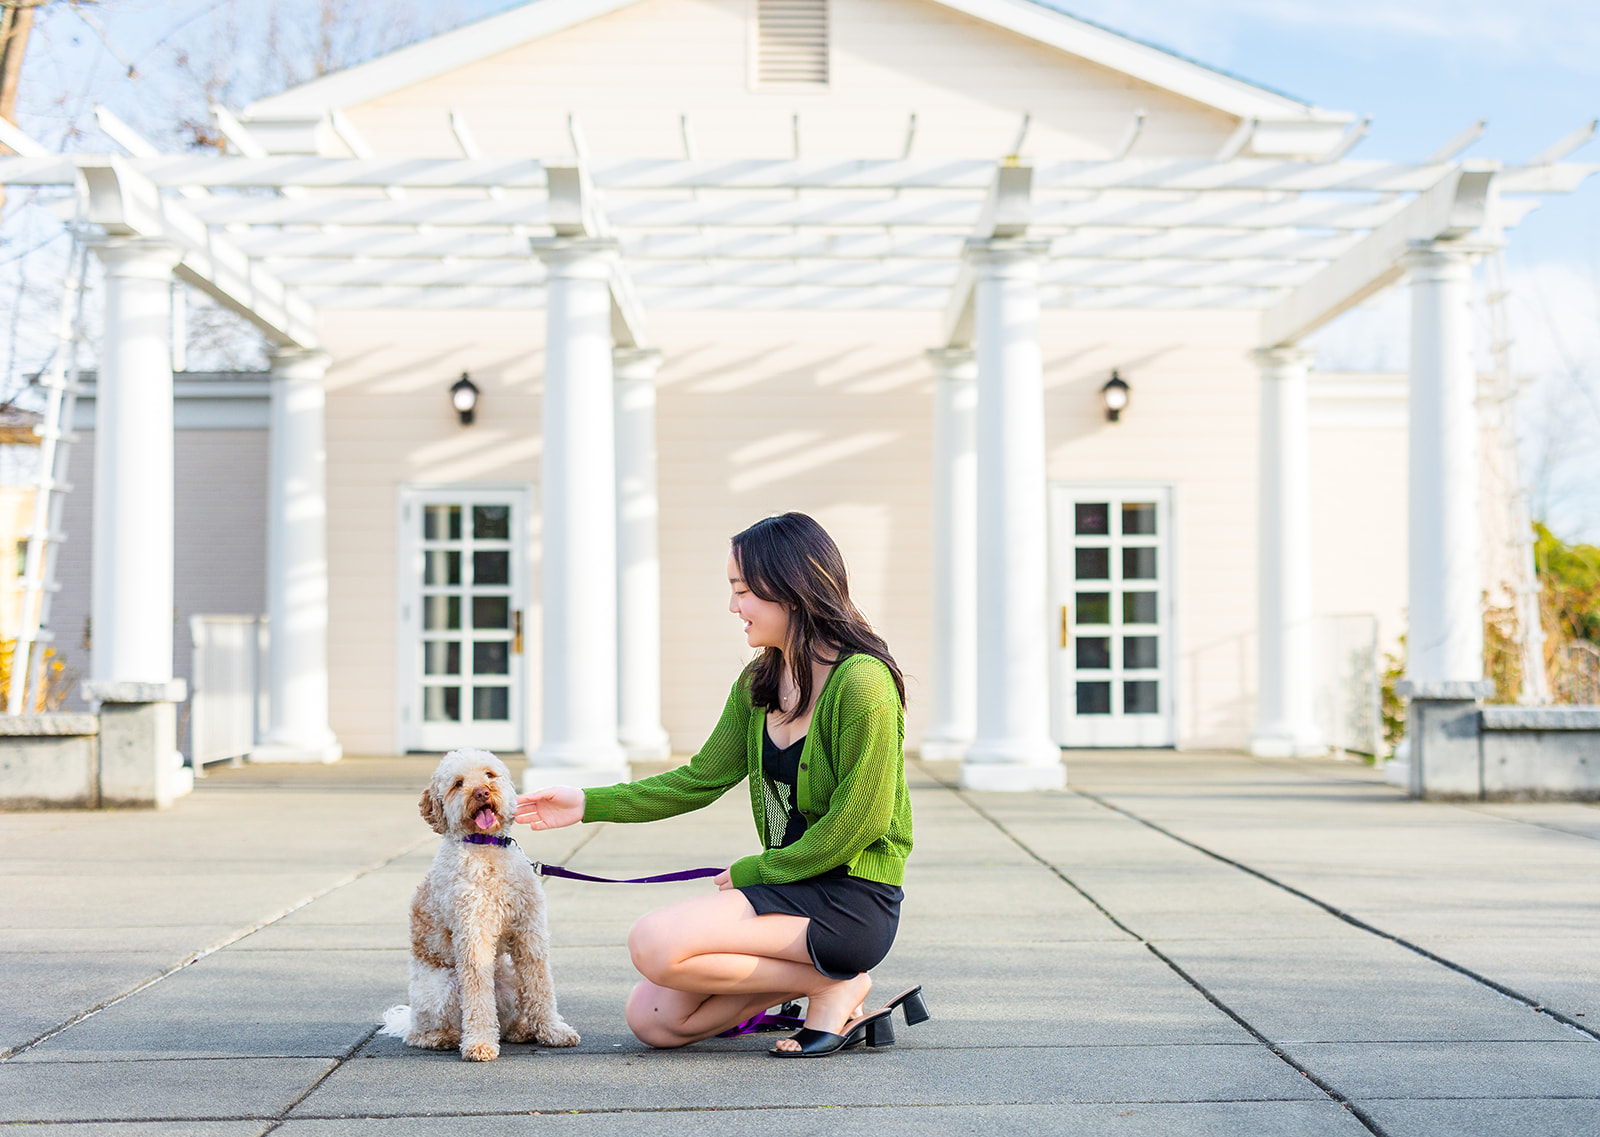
(208, 401)
(1102, 46)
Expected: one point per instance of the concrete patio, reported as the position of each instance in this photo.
(1178, 944)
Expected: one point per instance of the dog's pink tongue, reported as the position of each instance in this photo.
(485, 819)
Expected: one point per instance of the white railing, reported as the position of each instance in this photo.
(1347, 696)
(228, 700)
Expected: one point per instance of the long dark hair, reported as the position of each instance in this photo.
(790, 559)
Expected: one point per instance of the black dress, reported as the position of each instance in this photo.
(853, 921)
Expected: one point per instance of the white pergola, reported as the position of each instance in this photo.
(599, 244)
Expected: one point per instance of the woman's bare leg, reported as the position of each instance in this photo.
(711, 962)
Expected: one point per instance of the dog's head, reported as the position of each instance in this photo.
(471, 792)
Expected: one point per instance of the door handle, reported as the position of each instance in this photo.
(1063, 626)
(516, 631)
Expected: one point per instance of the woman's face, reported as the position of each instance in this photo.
(766, 622)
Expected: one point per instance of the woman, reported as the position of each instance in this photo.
(816, 724)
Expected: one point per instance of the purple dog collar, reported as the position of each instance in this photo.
(486, 839)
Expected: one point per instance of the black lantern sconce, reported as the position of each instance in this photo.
(464, 398)
(1115, 396)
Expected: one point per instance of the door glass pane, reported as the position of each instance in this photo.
(1094, 698)
(1138, 519)
(1139, 564)
(1092, 519)
(491, 611)
(1138, 607)
(491, 523)
(1094, 653)
(1139, 697)
(441, 704)
(441, 613)
(441, 658)
(493, 567)
(1093, 564)
(491, 704)
(1139, 652)
(441, 523)
(1094, 608)
(441, 567)
(491, 658)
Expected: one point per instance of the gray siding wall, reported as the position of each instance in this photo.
(221, 527)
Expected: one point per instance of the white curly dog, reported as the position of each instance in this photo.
(480, 949)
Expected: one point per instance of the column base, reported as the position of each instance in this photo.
(1013, 777)
(539, 777)
(1287, 744)
(933, 749)
(323, 754)
(648, 746)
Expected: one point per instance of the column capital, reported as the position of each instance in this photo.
(957, 364)
(576, 258)
(299, 363)
(140, 258)
(1273, 361)
(635, 363)
(1010, 257)
(1442, 259)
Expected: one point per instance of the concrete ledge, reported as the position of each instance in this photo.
(1541, 718)
(50, 771)
(48, 726)
(1444, 688)
(120, 691)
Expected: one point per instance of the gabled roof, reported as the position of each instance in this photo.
(1035, 21)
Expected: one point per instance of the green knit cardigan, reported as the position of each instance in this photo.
(852, 781)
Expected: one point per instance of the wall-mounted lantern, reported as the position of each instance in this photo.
(1115, 396)
(464, 398)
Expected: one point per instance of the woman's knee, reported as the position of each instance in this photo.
(651, 946)
(644, 1019)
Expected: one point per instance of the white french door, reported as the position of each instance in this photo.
(1111, 584)
(464, 570)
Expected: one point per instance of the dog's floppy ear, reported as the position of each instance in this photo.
(432, 812)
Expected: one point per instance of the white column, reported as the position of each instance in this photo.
(1284, 708)
(578, 658)
(297, 566)
(131, 592)
(1444, 636)
(131, 606)
(638, 558)
(952, 707)
(1012, 748)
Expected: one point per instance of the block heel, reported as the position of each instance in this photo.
(880, 1032)
(911, 1004)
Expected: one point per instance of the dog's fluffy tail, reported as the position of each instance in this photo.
(396, 1021)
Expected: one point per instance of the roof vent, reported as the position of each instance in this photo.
(792, 43)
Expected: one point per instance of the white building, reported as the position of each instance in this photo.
(876, 260)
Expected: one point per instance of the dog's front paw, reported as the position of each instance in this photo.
(480, 1051)
(556, 1033)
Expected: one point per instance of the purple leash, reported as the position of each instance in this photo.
(686, 874)
(543, 869)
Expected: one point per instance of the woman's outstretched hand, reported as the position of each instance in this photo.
(723, 880)
(554, 807)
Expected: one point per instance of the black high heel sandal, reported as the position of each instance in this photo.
(876, 1030)
(911, 1004)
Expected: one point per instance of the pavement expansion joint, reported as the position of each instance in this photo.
(227, 941)
(1333, 1094)
(323, 1077)
(1354, 921)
